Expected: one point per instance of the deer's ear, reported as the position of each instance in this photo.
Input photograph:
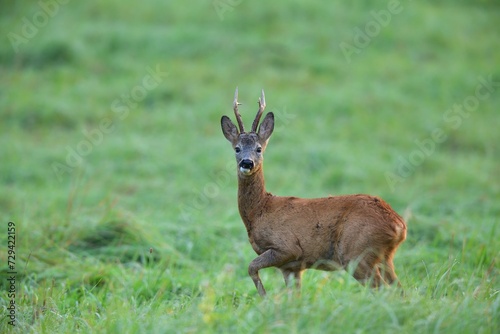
(266, 127)
(229, 129)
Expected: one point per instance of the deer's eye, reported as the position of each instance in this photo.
(237, 149)
(259, 150)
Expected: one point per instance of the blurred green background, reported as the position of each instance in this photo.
(123, 189)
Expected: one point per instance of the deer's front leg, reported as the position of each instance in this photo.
(287, 275)
(270, 258)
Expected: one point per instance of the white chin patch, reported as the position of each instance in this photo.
(245, 171)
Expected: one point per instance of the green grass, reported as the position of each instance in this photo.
(162, 178)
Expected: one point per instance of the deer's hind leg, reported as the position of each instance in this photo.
(376, 270)
(389, 273)
(367, 271)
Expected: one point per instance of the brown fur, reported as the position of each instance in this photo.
(295, 234)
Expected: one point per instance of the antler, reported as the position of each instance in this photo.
(235, 108)
(262, 106)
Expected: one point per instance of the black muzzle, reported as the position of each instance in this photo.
(246, 164)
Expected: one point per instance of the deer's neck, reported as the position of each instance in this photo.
(252, 196)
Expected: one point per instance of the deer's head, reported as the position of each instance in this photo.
(248, 146)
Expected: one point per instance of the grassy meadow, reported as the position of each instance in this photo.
(122, 188)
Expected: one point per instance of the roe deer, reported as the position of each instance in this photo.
(294, 234)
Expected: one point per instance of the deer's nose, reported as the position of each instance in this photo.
(246, 164)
